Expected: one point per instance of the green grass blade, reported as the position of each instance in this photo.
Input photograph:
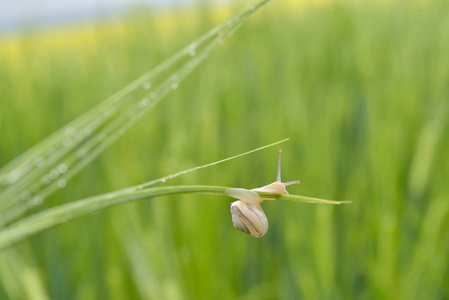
(164, 179)
(64, 213)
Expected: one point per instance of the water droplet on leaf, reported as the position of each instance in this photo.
(62, 183)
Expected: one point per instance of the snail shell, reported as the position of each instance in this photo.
(247, 214)
(249, 218)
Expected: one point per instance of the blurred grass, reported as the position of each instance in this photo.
(360, 88)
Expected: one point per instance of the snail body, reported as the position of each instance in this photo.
(247, 214)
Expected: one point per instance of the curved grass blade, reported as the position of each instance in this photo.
(66, 212)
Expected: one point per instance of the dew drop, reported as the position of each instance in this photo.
(54, 174)
(45, 180)
(13, 177)
(174, 85)
(144, 102)
(69, 130)
(192, 52)
(146, 85)
(174, 77)
(163, 179)
(82, 152)
(37, 200)
(62, 183)
(62, 168)
(153, 96)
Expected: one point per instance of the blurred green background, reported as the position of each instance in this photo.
(361, 88)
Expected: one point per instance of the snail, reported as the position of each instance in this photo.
(247, 214)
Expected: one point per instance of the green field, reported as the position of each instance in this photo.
(362, 90)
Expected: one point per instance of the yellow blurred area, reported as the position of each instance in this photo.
(85, 37)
